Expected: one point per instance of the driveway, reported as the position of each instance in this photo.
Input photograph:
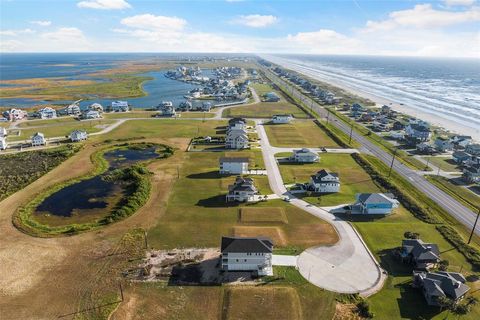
(282, 260)
(346, 267)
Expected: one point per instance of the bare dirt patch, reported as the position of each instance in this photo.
(346, 312)
(274, 233)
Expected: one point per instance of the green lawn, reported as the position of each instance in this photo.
(298, 134)
(463, 195)
(61, 129)
(265, 110)
(445, 163)
(353, 178)
(197, 214)
(35, 123)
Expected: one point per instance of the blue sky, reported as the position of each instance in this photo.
(387, 27)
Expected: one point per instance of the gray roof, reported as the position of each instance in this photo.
(318, 177)
(234, 159)
(242, 184)
(239, 245)
(420, 250)
(375, 197)
(440, 283)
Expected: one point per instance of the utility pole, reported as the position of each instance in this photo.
(351, 132)
(146, 239)
(393, 160)
(474, 225)
(428, 161)
(328, 114)
(121, 290)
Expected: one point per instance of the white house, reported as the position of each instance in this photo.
(282, 118)
(168, 110)
(233, 165)
(38, 139)
(96, 107)
(3, 143)
(247, 254)
(304, 155)
(73, 109)
(119, 106)
(242, 190)
(374, 203)
(236, 124)
(206, 106)
(419, 132)
(3, 132)
(236, 139)
(47, 113)
(91, 114)
(324, 182)
(472, 173)
(78, 135)
(15, 114)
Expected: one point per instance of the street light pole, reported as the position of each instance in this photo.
(393, 160)
(474, 225)
(351, 132)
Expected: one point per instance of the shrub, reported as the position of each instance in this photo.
(452, 236)
(443, 266)
(364, 309)
(411, 235)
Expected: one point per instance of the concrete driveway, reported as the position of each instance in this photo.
(346, 267)
(282, 260)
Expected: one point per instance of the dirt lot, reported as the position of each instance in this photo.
(36, 270)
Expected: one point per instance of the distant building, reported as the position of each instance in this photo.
(237, 139)
(3, 143)
(419, 132)
(461, 141)
(324, 182)
(443, 144)
(460, 156)
(425, 148)
(440, 284)
(233, 165)
(304, 155)
(71, 110)
(237, 124)
(385, 109)
(3, 132)
(206, 106)
(247, 254)
(282, 118)
(15, 114)
(96, 107)
(242, 190)
(271, 97)
(472, 173)
(397, 125)
(119, 106)
(47, 113)
(473, 149)
(78, 135)
(423, 256)
(374, 203)
(91, 114)
(38, 139)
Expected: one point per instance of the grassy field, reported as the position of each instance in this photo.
(353, 178)
(298, 134)
(444, 163)
(265, 110)
(197, 214)
(463, 195)
(62, 129)
(35, 123)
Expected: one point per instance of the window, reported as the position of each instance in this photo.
(237, 260)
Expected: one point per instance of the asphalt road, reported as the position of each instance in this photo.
(457, 210)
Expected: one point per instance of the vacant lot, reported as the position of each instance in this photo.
(35, 123)
(197, 214)
(265, 110)
(255, 215)
(274, 233)
(298, 134)
(459, 191)
(263, 303)
(353, 179)
(444, 163)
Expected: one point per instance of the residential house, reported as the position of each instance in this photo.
(3, 132)
(385, 109)
(3, 143)
(91, 114)
(425, 148)
(473, 149)
(38, 139)
(472, 173)
(397, 135)
(15, 114)
(167, 109)
(237, 123)
(96, 107)
(439, 284)
(242, 190)
(461, 141)
(357, 108)
(78, 135)
(206, 106)
(282, 118)
(442, 144)
(271, 97)
(72, 110)
(237, 165)
(398, 125)
(324, 182)
(237, 139)
(247, 254)
(422, 255)
(460, 156)
(374, 203)
(304, 155)
(418, 132)
(119, 106)
(47, 113)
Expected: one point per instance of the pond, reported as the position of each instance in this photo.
(93, 197)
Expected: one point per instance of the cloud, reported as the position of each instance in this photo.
(423, 16)
(66, 39)
(452, 3)
(15, 33)
(255, 20)
(323, 41)
(152, 22)
(104, 4)
(42, 23)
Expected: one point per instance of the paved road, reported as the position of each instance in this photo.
(451, 205)
(346, 267)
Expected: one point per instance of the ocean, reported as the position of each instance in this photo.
(444, 88)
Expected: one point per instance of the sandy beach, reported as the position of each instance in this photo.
(432, 118)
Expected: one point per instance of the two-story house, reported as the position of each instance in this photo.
(247, 254)
(304, 155)
(78, 135)
(423, 256)
(374, 203)
(440, 284)
(324, 182)
(233, 165)
(38, 139)
(242, 190)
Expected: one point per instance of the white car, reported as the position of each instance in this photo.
(3, 120)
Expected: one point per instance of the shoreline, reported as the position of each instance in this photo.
(432, 118)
